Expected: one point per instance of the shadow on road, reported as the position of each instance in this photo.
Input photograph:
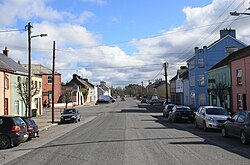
(213, 137)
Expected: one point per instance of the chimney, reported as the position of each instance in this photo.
(18, 62)
(226, 32)
(6, 51)
(74, 76)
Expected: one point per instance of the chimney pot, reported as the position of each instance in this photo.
(6, 51)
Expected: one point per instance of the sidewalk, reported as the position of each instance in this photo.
(45, 121)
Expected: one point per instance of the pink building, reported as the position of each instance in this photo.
(240, 76)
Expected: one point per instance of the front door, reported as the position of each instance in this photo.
(6, 108)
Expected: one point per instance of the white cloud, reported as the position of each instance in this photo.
(79, 50)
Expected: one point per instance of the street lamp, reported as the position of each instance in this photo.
(237, 14)
(29, 26)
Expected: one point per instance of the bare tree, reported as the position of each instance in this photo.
(66, 96)
(220, 90)
(22, 89)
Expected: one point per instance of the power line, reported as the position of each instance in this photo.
(11, 30)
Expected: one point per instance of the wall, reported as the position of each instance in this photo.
(46, 87)
(244, 64)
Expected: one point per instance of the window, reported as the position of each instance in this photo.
(7, 82)
(201, 80)
(239, 77)
(35, 84)
(192, 83)
(231, 49)
(18, 79)
(241, 117)
(40, 85)
(202, 99)
(49, 79)
(50, 95)
(191, 64)
(201, 63)
(239, 101)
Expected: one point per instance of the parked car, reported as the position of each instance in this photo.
(168, 108)
(101, 101)
(70, 115)
(13, 131)
(123, 99)
(180, 113)
(32, 127)
(210, 117)
(238, 126)
(143, 100)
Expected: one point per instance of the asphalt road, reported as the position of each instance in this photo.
(123, 133)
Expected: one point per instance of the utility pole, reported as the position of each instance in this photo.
(142, 88)
(53, 80)
(29, 68)
(166, 79)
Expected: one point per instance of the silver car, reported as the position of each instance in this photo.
(210, 117)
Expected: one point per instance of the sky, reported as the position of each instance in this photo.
(118, 41)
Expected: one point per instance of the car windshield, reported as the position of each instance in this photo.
(69, 111)
(170, 107)
(182, 109)
(216, 111)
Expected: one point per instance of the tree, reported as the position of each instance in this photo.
(220, 90)
(22, 89)
(66, 96)
(85, 92)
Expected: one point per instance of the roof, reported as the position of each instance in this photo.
(82, 81)
(39, 69)
(9, 64)
(233, 56)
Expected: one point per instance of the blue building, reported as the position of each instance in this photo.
(206, 58)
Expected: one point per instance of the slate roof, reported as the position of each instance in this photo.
(244, 52)
(9, 64)
(82, 81)
(38, 69)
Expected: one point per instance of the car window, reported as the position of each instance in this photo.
(216, 111)
(69, 111)
(235, 116)
(241, 117)
(170, 107)
(182, 108)
(18, 121)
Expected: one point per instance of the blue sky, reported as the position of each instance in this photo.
(117, 41)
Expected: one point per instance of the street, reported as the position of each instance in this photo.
(123, 133)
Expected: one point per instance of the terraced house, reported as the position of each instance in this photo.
(10, 74)
(206, 58)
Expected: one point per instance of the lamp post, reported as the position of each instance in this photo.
(237, 14)
(28, 27)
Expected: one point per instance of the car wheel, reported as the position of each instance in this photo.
(79, 119)
(163, 114)
(195, 124)
(205, 126)
(75, 120)
(4, 142)
(224, 132)
(243, 137)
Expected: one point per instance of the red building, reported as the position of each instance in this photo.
(240, 71)
(46, 74)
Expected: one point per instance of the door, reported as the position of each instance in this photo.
(244, 101)
(6, 108)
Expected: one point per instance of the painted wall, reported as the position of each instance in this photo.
(18, 104)
(37, 99)
(1, 93)
(46, 87)
(220, 75)
(210, 55)
(244, 64)
(5, 93)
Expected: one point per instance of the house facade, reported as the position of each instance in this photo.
(80, 85)
(46, 74)
(204, 59)
(11, 102)
(240, 71)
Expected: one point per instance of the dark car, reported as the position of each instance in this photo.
(181, 113)
(70, 115)
(168, 108)
(123, 99)
(102, 101)
(238, 126)
(32, 127)
(13, 131)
